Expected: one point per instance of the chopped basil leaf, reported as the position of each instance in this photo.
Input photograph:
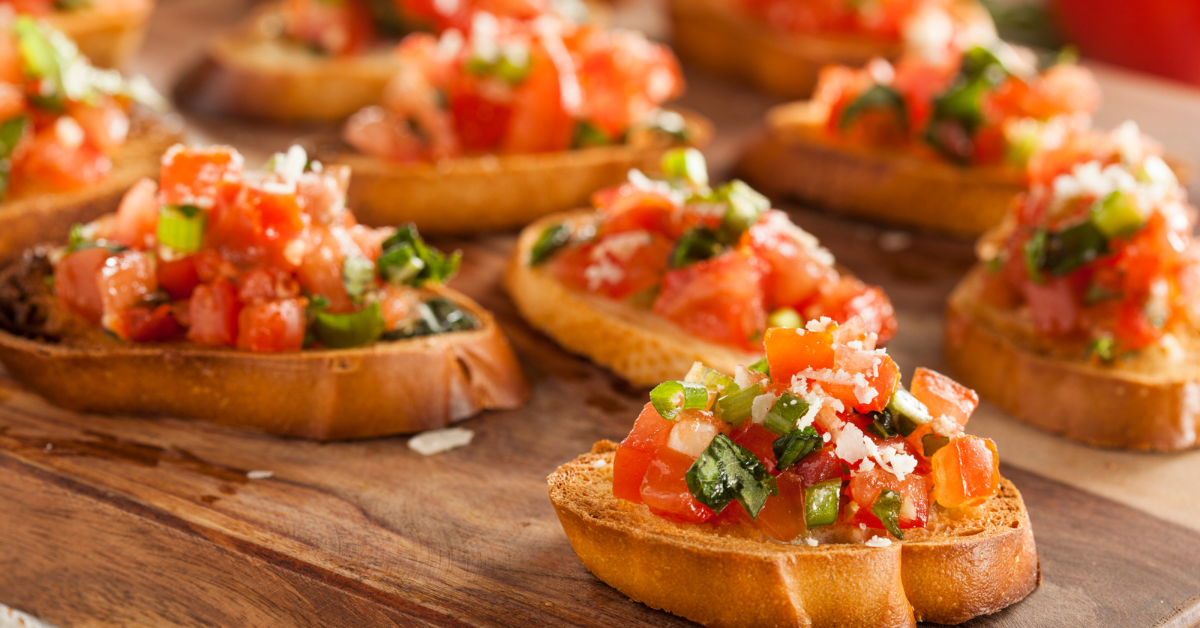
(883, 424)
(358, 275)
(407, 260)
(784, 413)
(588, 135)
(1035, 254)
(1059, 253)
(958, 112)
(762, 366)
(931, 443)
(670, 124)
(887, 509)
(552, 239)
(77, 241)
(795, 446)
(669, 398)
(876, 98)
(435, 316)
(727, 471)
(696, 245)
(385, 16)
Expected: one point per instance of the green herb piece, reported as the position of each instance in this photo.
(821, 502)
(512, 65)
(995, 264)
(669, 398)
(181, 227)
(549, 242)
(40, 62)
(435, 316)
(672, 125)
(344, 331)
(785, 317)
(358, 275)
(907, 412)
(1103, 348)
(1072, 248)
(407, 260)
(1097, 293)
(77, 241)
(1035, 255)
(71, 5)
(735, 407)
(11, 132)
(795, 446)
(714, 381)
(1116, 215)
(958, 112)
(762, 366)
(887, 509)
(931, 443)
(727, 471)
(878, 97)
(687, 164)
(746, 207)
(882, 424)
(784, 413)
(588, 135)
(696, 245)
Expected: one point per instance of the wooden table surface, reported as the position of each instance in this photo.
(132, 522)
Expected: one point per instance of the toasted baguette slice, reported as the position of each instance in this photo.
(1147, 401)
(34, 219)
(636, 344)
(717, 37)
(254, 72)
(798, 159)
(486, 193)
(108, 38)
(388, 388)
(955, 569)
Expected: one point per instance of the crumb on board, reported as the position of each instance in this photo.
(438, 441)
(259, 474)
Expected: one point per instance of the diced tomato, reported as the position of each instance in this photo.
(211, 265)
(480, 123)
(76, 282)
(790, 351)
(864, 489)
(884, 384)
(178, 277)
(720, 299)
(944, 396)
(320, 271)
(782, 517)
(540, 121)
(137, 217)
(616, 265)
(817, 467)
(191, 173)
(665, 489)
(214, 312)
(272, 326)
(124, 279)
(264, 284)
(759, 440)
(104, 122)
(1134, 328)
(344, 27)
(795, 276)
(649, 434)
(1052, 305)
(965, 472)
(628, 208)
(150, 324)
(55, 159)
(850, 298)
(256, 226)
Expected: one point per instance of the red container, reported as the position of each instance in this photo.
(1157, 36)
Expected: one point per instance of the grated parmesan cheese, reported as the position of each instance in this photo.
(761, 406)
(878, 541)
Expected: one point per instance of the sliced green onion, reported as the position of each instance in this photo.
(1116, 214)
(1034, 251)
(887, 509)
(1103, 348)
(11, 132)
(883, 424)
(687, 164)
(407, 260)
(40, 61)
(785, 317)
(181, 227)
(762, 366)
(878, 97)
(736, 406)
(358, 275)
(795, 446)
(746, 207)
(513, 68)
(931, 443)
(552, 239)
(669, 398)
(907, 411)
(784, 413)
(400, 265)
(588, 135)
(696, 245)
(714, 381)
(670, 124)
(343, 331)
(821, 503)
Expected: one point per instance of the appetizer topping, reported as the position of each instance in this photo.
(718, 261)
(265, 261)
(811, 452)
(520, 87)
(985, 105)
(61, 120)
(1100, 250)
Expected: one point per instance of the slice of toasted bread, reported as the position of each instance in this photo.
(39, 218)
(109, 38)
(798, 159)
(716, 36)
(387, 388)
(959, 567)
(255, 72)
(486, 193)
(638, 345)
(1146, 401)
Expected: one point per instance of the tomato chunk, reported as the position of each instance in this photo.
(864, 488)
(944, 396)
(76, 282)
(782, 517)
(965, 472)
(650, 433)
(178, 277)
(137, 216)
(191, 173)
(150, 324)
(124, 279)
(720, 299)
(273, 326)
(665, 488)
(790, 351)
(214, 313)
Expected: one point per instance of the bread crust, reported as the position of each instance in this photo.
(463, 195)
(251, 72)
(972, 566)
(25, 222)
(388, 388)
(108, 38)
(796, 158)
(718, 38)
(634, 343)
(1124, 405)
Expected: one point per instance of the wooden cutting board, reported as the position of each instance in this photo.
(155, 522)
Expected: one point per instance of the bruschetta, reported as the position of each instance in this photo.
(810, 490)
(517, 120)
(1082, 317)
(73, 137)
(937, 144)
(781, 45)
(666, 273)
(108, 32)
(252, 299)
(314, 61)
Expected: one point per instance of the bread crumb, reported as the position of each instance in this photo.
(438, 441)
(259, 474)
(600, 463)
(878, 541)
